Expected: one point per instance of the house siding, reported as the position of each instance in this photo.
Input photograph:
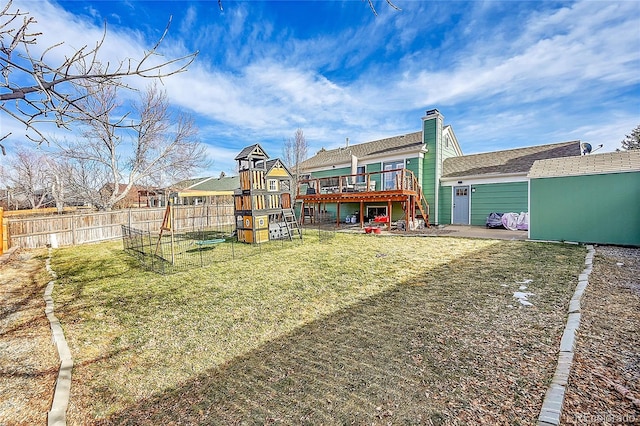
(497, 197)
(432, 134)
(438, 150)
(602, 209)
(415, 166)
(447, 151)
(445, 205)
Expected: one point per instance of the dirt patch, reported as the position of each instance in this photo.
(607, 347)
(28, 359)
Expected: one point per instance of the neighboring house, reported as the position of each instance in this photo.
(590, 199)
(208, 190)
(459, 189)
(138, 196)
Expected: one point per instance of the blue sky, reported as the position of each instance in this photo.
(504, 74)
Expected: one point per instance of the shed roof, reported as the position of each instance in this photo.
(608, 162)
(517, 160)
(383, 146)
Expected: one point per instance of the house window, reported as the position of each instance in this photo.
(391, 174)
(361, 177)
(461, 192)
(273, 184)
(373, 211)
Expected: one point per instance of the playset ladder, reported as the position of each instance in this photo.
(292, 223)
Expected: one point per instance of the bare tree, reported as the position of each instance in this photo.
(33, 91)
(58, 181)
(26, 175)
(118, 152)
(295, 152)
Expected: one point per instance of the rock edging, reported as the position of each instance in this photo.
(551, 411)
(57, 416)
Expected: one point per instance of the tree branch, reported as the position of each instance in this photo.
(52, 97)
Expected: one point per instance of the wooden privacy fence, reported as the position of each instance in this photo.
(75, 229)
(4, 242)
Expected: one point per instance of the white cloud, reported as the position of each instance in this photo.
(506, 82)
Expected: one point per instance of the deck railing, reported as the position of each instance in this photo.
(387, 180)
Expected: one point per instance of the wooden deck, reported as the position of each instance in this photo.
(390, 186)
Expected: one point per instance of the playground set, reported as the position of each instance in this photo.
(263, 213)
(263, 205)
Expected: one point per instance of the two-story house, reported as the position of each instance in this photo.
(420, 175)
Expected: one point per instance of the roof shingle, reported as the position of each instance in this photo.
(249, 151)
(363, 150)
(608, 162)
(227, 183)
(517, 160)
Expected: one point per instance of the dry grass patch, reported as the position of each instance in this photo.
(28, 359)
(358, 329)
(607, 349)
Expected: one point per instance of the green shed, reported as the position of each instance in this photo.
(473, 186)
(589, 199)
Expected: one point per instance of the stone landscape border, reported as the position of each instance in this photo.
(57, 416)
(552, 406)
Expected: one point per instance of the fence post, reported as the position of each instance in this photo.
(73, 230)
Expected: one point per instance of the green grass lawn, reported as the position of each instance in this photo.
(355, 329)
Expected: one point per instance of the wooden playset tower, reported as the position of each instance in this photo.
(262, 205)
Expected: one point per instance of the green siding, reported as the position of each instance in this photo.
(432, 164)
(429, 178)
(496, 197)
(444, 205)
(415, 165)
(432, 134)
(374, 167)
(602, 209)
(448, 151)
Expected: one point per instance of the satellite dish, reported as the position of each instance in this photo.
(586, 148)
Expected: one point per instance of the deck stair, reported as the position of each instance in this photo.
(423, 206)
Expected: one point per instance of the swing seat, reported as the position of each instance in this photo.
(210, 242)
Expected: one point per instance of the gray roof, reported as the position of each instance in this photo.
(249, 151)
(187, 183)
(383, 146)
(226, 183)
(608, 162)
(509, 161)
